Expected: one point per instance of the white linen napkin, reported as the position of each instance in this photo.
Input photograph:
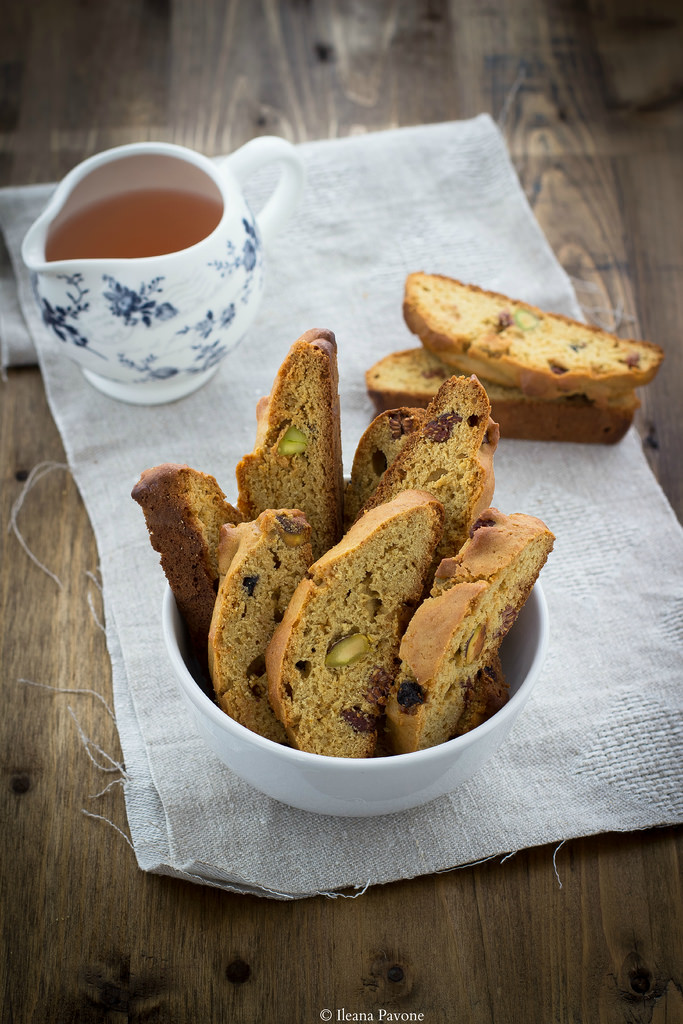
(597, 747)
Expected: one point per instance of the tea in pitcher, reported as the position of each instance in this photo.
(142, 222)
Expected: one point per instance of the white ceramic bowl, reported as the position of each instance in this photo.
(361, 787)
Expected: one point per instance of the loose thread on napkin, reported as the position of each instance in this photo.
(95, 616)
(110, 785)
(70, 689)
(101, 817)
(37, 473)
(112, 766)
(557, 874)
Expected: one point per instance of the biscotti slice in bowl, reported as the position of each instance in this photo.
(377, 448)
(332, 659)
(184, 511)
(261, 564)
(451, 455)
(413, 376)
(485, 695)
(297, 461)
(515, 344)
(456, 633)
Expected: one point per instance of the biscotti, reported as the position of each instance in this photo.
(296, 461)
(377, 448)
(413, 376)
(515, 344)
(457, 631)
(184, 511)
(260, 565)
(484, 695)
(332, 659)
(451, 455)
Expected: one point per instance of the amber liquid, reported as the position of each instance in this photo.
(145, 222)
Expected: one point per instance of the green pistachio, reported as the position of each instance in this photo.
(347, 651)
(293, 442)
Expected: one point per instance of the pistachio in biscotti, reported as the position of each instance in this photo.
(347, 651)
(475, 643)
(526, 320)
(294, 442)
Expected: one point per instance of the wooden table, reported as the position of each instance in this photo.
(589, 97)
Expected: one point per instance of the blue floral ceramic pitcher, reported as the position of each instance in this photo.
(153, 329)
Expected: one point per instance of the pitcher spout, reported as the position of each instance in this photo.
(34, 243)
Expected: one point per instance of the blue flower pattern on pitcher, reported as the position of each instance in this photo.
(248, 259)
(204, 327)
(136, 306)
(147, 369)
(58, 316)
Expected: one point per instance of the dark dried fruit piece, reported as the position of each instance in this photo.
(410, 695)
(441, 428)
(478, 523)
(249, 584)
(632, 359)
(359, 720)
(557, 369)
(507, 619)
(379, 686)
(429, 374)
(504, 319)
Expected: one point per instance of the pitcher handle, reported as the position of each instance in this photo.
(257, 153)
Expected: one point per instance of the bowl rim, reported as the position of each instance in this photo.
(305, 759)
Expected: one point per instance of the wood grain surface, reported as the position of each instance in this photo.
(590, 97)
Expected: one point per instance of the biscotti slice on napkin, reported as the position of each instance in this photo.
(260, 564)
(518, 345)
(297, 460)
(451, 455)
(184, 511)
(413, 376)
(456, 633)
(377, 448)
(332, 659)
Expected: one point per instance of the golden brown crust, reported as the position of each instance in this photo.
(304, 398)
(516, 344)
(413, 376)
(184, 511)
(261, 565)
(363, 590)
(451, 456)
